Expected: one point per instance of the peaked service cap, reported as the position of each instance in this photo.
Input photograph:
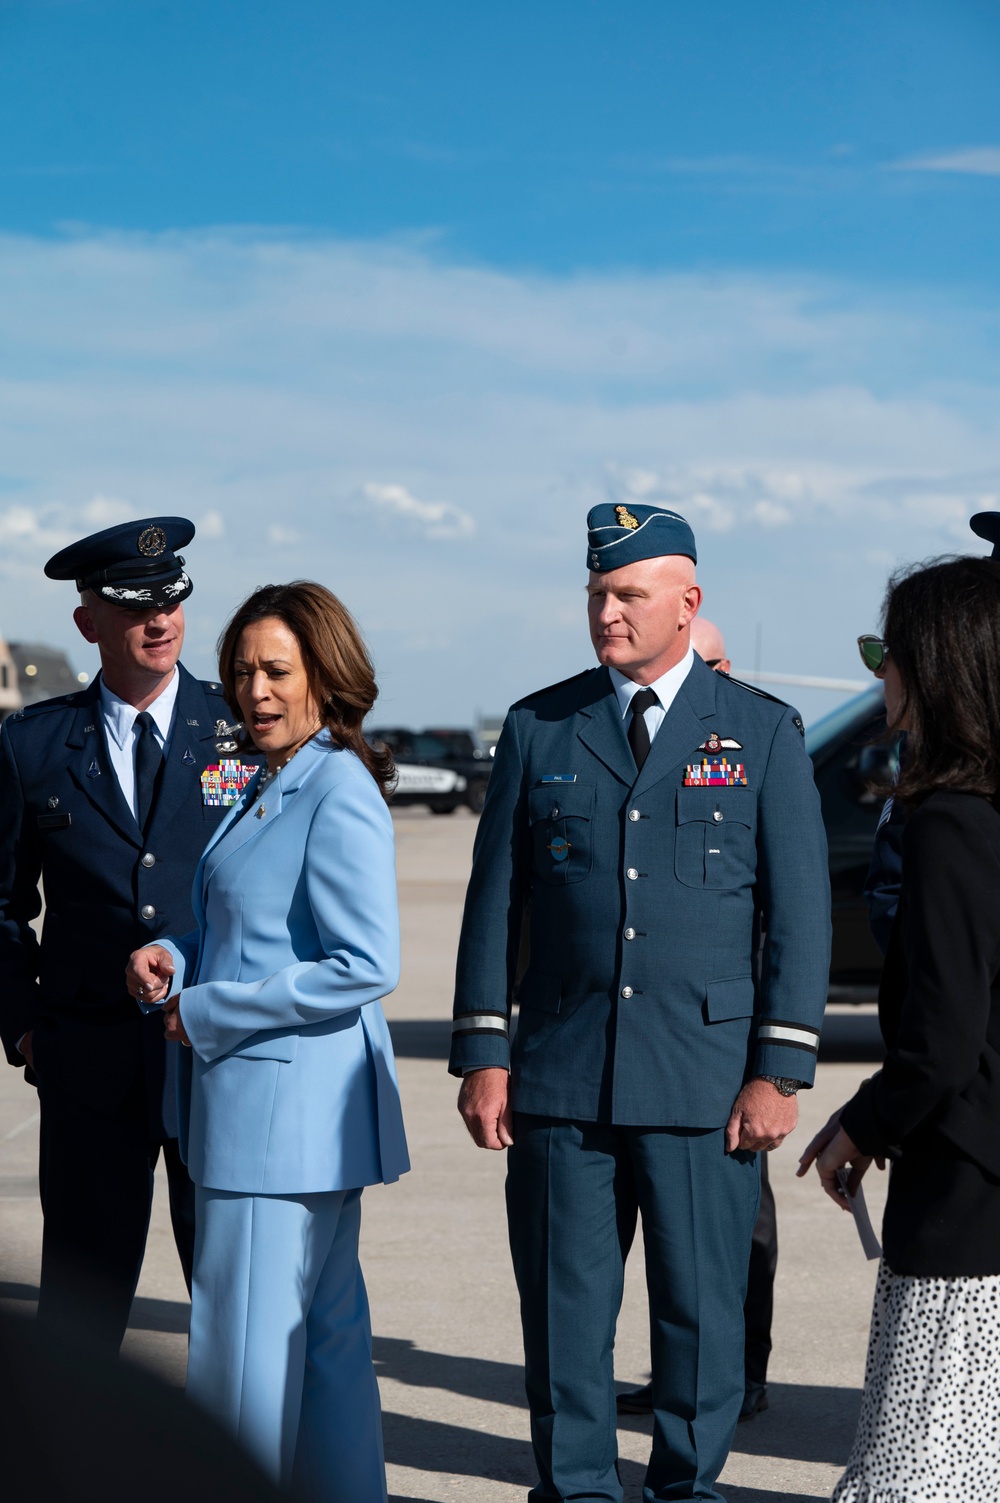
(619, 535)
(986, 524)
(134, 565)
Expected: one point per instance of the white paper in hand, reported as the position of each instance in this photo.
(862, 1220)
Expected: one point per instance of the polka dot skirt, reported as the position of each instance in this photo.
(929, 1429)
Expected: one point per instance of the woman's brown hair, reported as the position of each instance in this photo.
(941, 624)
(341, 675)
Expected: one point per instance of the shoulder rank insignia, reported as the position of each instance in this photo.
(625, 518)
(715, 772)
(223, 782)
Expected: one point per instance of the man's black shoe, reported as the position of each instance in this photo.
(754, 1401)
(636, 1400)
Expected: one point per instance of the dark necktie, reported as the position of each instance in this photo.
(638, 731)
(148, 761)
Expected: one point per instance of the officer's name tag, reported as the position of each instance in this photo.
(559, 777)
(223, 782)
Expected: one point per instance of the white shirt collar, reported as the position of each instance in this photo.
(665, 688)
(119, 715)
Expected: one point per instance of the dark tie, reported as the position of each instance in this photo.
(148, 761)
(638, 731)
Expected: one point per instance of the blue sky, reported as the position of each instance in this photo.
(391, 294)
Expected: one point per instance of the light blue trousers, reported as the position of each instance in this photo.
(281, 1347)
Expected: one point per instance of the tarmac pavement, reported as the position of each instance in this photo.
(444, 1307)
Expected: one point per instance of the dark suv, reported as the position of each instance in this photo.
(854, 767)
(440, 768)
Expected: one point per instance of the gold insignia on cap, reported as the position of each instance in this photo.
(625, 518)
(152, 542)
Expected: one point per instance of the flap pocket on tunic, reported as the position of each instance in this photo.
(703, 803)
(560, 816)
(284, 1048)
(730, 998)
(715, 837)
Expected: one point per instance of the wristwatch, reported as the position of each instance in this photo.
(783, 1084)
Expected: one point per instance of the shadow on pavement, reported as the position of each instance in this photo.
(848, 1038)
(802, 1424)
(421, 1038)
(147, 1314)
(473, 1377)
(813, 1423)
(433, 1446)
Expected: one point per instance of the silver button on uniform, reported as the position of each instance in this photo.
(630, 934)
(149, 859)
(147, 911)
(717, 816)
(631, 874)
(633, 815)
(626, 992)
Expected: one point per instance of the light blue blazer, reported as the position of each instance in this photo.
(292, 1086)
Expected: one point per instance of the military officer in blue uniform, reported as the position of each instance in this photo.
(646, 821)
(109, 795)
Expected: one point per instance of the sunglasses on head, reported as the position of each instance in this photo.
(873, 652)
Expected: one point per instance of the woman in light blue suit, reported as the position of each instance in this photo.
(294, 1105)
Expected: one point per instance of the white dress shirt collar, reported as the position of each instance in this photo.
(665, 688)
(119, 716)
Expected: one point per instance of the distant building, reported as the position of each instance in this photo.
(10, 693)
(43, 672)
(30, 671)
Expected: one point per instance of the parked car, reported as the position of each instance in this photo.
(440, 768)
(854, 767)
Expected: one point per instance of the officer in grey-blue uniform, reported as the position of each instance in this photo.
(104, 794)
(646, 821)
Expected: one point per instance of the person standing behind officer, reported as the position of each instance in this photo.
(647, 815)
(758, 1306)
(109, 796)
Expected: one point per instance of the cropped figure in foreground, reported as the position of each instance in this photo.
(930, 1416)
(642, 818)
(294, 1105)
(102, 796)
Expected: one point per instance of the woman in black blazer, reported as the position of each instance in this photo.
(930, 1418)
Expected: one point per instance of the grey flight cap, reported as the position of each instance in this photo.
(620, 535)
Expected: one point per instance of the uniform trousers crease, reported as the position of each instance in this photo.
(574, 1194)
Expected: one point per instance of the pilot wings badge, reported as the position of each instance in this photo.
(226, 734)
(714, 743)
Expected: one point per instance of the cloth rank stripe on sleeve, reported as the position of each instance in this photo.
(795, 1035)
(480, 1022)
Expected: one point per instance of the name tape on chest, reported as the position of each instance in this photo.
(715, 772)
(223, 782)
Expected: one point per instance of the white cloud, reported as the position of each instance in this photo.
(352, 412)
(979, 161)
(769, 514)
(22, 527)
(107, 511)
(437, 519)
(211, 525)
